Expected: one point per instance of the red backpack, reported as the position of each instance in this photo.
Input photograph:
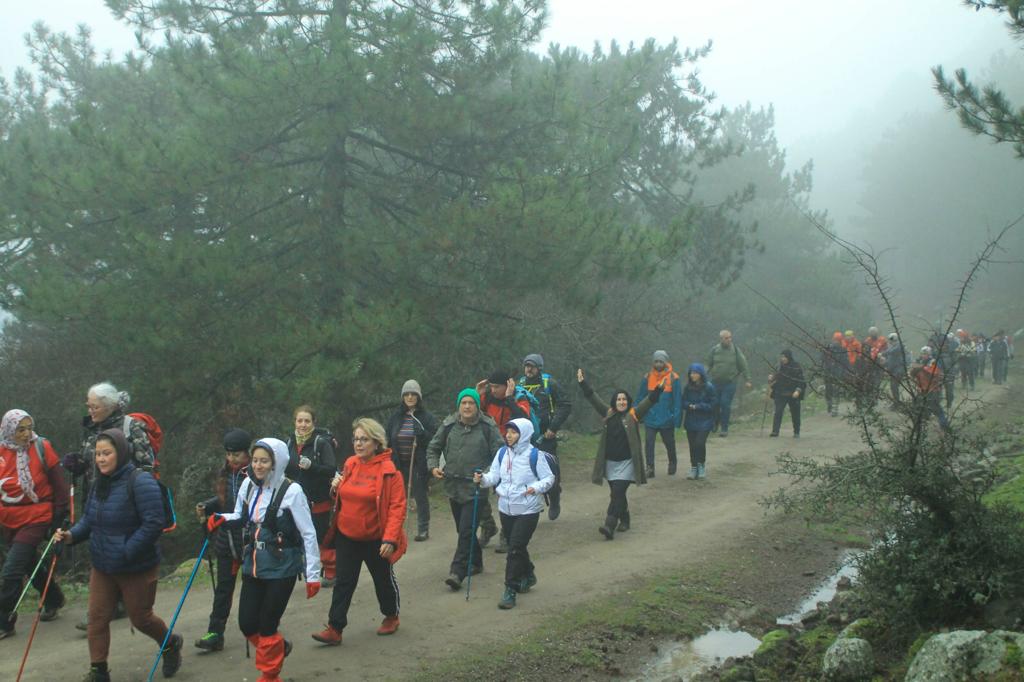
(153, 432)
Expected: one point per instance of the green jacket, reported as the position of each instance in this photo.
(465, 448)
(631, 421)
(726, 366)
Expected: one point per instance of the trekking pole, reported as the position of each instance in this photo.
(177, 611)
(472, 535)
(39, 611)
(31, 577)
(764, 414)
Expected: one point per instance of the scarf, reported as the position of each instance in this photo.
(8, 426)
(301, 440)
(654, 378)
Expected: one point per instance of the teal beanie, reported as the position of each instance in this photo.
(471, 392)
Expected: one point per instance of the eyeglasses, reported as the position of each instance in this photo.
(361, 439)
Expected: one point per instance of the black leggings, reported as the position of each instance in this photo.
(518, 530)
(618, 506)
(262, 603)
(698, 441)
(352, 554)
(223, 594)
(794, 413)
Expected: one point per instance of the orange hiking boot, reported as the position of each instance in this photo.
(389, 626)
(330, 636)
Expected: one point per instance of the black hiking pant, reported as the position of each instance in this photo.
(261, 604)
(420, 491)
(794, 412)
(698, 442)
(462, 512)
(668, 437)
(223, 593)
(618, 505)
(518, 530)
(21, 558)
(352, 554)
(832, 393)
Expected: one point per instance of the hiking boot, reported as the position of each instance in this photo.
(172, 655)
(723, 434)
(211, 641)
(454, 582)
(287, 648)
(650, 472)
(51, 612)
(486, 535)
(608, 529)
(692, 475)
(422, 536)
(671, 468)
(555, 506)
(773, 435)
(327, 582)
(389, 626)
(83, 624)
(502, 547)
(9, 632)
(97, 675)
(623, 523)
(328, 636)
(527, 583)
(508, 600)
(796, 435)
(701, 473)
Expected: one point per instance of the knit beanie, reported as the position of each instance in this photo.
(237, 440)
(499, 376)
(660, 355)
(535, 359)
(412, 386)
(471, 392)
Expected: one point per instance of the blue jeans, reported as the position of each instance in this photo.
(723, 406)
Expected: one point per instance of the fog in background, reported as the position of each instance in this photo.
(850, 85)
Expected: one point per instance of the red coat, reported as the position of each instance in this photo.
(16, 509)
(502, 412)
(852, 347)
(928, 377)
(875, 346)
(371, 502)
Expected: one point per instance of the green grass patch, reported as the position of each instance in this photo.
(1011, 490)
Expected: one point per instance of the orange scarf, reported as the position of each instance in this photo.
(654, 378)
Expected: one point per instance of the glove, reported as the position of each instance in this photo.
(305, 462)
(312, 589)
(214, 522)
(73, 463)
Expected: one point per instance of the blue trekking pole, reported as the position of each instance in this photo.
(472, 536)
(177, 611)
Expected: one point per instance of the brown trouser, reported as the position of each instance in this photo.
(138, 591)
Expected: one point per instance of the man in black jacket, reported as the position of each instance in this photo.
(555, 407)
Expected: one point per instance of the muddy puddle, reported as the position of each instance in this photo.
(681, 661)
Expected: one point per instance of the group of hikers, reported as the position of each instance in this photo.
(287, 508)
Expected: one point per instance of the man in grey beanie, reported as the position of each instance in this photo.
(666, 415)
(555, 408)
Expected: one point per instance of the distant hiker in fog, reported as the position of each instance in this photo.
(944, 352)
(999, 352)
(787, 389)
(667, 415)
(981, 346)
(726, 365)
(927, 376)
(833, 361)
(555, 408)
(410, 430)
(873, 347)
(698, 405)
(966, 359)
(895, 362)
(619, 459)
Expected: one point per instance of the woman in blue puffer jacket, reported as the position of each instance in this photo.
(123, 528)
(698, 402)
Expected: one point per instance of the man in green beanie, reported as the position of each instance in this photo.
(468, 440)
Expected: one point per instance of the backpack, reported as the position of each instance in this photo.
(522, 393)
(154, 433)
(270, 516)
(166, 497)
(325, 433)
(41, 453)
(545, 389)
(534, 456)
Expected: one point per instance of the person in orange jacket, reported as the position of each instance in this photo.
(367, 528)
(499, 402)
(928, 378)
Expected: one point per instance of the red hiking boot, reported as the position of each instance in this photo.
(329, 636)
(389, 626)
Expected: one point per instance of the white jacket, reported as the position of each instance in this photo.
(510, 475)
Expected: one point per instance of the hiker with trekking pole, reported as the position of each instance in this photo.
(227, 542)
(123, 528)
(520, 474)
(33, 501)
(410, 429)
(368, 529)
(467, 440)
(279, 545)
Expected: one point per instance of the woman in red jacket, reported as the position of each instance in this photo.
(33, 499)
(367, 528)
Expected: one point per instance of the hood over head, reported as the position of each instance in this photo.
(124, 450)
(788, 354)
(525, 429)
(699, 369)
(279, 452)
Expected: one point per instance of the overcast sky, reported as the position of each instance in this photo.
(820, 63)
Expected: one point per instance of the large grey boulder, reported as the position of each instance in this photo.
(849, 659)
(965, 655)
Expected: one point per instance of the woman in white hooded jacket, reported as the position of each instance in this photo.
(275, 552)
(520, 475)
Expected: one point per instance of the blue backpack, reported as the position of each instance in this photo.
(522, 393)
(534, 456)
